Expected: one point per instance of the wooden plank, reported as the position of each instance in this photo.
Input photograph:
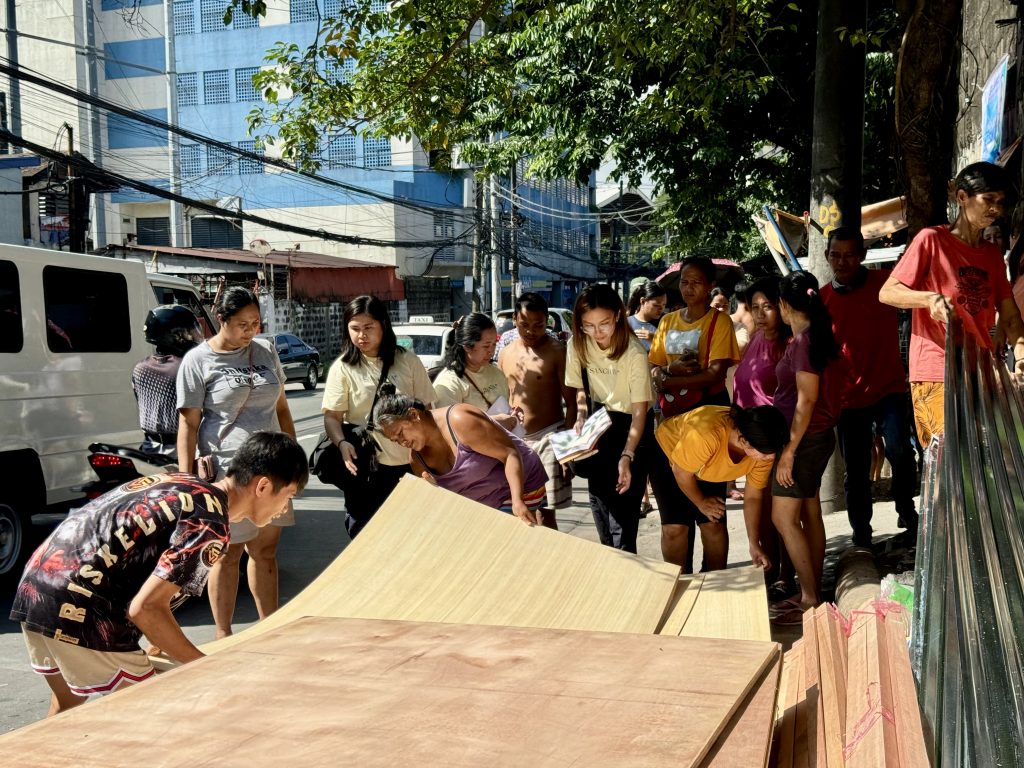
(913, 752)
(801, 751)
(833, 691)
(431, 555)
(792, 684)
(815, 712)
(870, 734)
(682, 604)
(747, 738)
(328, 692)
(732, 603)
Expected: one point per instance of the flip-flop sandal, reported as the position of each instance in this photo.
(791, 618)
(780, 591)
(736, 495)
(784, 606)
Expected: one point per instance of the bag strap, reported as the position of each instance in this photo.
(477, 388)
(376, 394)
(586, 390)
(711, 339)
(227, 427)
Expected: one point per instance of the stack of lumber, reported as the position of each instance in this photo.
(449, 634)
(848, 698)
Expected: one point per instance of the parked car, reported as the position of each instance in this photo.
(427, 340)
(559, 321)
(300, 361)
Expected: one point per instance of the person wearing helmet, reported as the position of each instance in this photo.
(173, 329)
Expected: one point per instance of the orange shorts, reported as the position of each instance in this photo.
(929, 409)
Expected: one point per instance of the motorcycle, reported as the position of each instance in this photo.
(116, 465)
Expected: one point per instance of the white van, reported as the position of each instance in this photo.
(70, 334)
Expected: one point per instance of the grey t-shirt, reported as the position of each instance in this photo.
(236, 399)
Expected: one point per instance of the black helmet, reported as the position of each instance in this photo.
(173, 328)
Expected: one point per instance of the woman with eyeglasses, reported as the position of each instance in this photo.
(229, 387)
(607, 366)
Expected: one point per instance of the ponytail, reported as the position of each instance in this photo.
(800, 291)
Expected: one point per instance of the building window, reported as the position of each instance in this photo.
(184, 17)
(188, 89)
(378, 6)
(444, 229)
(376, 152)
(190, 161)
(302, 10)
(244, 89)
(216, 89)
(341, 150)
(332, 8)
(219, 162)
(208, 232)
(246, 165)
(153, 231)
(212, 13)
(242, 20)
(339, 73)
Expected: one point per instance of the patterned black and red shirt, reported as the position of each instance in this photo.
(78, 585)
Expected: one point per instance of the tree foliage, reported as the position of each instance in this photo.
(711, 100)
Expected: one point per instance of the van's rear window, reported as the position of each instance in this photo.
(11, 333)
(86, 311)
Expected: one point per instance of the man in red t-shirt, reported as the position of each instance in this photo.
(952, 268)
(876, 397)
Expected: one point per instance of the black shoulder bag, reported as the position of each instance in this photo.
(611, 442)
(325, 460)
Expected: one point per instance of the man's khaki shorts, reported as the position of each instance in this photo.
(87, 672)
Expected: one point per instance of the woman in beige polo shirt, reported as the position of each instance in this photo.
(368, 345)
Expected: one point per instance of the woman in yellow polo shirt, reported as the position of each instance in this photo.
(713, 444)
(604, 349)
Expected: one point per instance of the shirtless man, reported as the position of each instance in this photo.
(534, 364)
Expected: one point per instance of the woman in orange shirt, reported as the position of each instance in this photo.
(715, 444)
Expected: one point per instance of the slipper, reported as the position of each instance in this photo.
(736, 495)
(781, 590)
(791, 618)
(784, 606)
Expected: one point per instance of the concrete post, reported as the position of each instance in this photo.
(836, 158)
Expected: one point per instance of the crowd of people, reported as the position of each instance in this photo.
(695, 398)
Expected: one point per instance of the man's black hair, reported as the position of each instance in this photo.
(274, 455)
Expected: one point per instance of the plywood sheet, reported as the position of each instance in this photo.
(431, 555)
(681, 604)
(746, 740)
(329, 692)
(732, 603)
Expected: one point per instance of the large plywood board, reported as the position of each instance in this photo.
(746, 740)
(330, 692)
(681, 604)
(731, 603)
(431, 555)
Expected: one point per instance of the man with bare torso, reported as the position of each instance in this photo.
(534, 364)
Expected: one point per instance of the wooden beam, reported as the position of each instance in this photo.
(907, 713)
(870, 732)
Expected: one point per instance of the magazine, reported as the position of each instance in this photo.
(568, 446)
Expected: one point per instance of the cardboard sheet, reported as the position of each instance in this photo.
(431, 555)
(329, 692)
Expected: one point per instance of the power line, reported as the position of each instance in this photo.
(19, 73)
(91, 170)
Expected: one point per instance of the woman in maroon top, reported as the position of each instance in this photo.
(755, 385)
(808, 395)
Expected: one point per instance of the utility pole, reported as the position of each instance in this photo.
(837, 151)
(513, 240)
(13, 84)
(177, 216)
(97, 212)
(478, 246)
(495, 218)
(78, 216)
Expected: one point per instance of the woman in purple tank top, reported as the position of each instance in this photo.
(461, 449)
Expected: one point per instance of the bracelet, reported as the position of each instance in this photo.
(628, 454)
